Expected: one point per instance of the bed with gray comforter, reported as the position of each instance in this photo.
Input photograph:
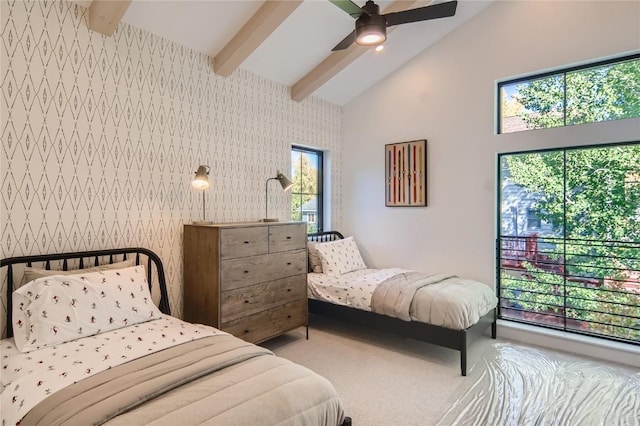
(161, 371)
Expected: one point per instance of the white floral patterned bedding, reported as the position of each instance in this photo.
(451, 302)
(352, 289)
(60, 308)
(27, 378)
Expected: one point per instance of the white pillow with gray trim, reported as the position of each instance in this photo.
(340, 256)
(61, 308)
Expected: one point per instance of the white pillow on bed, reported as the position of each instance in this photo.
(340, 256)
(31, 274)
(314, 257)
(61, 308)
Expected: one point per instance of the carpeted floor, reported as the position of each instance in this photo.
(387, 380)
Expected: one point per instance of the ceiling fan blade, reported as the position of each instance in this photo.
(348, 6)
(435, 11)
(346, 42)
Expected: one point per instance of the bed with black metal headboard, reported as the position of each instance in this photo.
(153, 370)
(85, 259)
(323, 237)
(457, 339)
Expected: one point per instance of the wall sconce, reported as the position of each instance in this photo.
(201, 181)
(286, 185)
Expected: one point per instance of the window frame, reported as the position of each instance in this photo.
(562, 72)
(319, 215)
(499, 236)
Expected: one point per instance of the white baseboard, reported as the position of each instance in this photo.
(608, 350)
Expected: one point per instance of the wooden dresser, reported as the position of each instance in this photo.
(249, 279)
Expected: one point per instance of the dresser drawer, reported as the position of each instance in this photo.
(266, 324)
(288, 237)
(261, 297)
(240, 242)
(246, 271)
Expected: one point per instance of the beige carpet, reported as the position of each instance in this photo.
(386, 380)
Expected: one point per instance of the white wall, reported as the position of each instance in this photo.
(446, 96)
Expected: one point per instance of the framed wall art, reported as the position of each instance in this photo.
(406, 174)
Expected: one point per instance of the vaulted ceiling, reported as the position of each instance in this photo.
(286, 41)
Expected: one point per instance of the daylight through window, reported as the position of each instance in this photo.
(601, 91)
(306, 195)
(569, 242)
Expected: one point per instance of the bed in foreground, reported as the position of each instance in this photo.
(444, 310)
(89, 346)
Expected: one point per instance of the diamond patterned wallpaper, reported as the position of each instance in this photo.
(101, 136)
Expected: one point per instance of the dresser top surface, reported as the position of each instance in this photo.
(242, 224)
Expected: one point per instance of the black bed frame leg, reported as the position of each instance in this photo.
(463, 362)
(494, 331)
(346, 421)
(463, 353)
(307, 331)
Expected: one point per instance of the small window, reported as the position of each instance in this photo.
(533, 221)
(306, 195)
(601, 91)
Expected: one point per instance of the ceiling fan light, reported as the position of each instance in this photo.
(371, 30)
(370, 39)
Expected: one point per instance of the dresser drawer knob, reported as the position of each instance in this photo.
(288, 263)
(246, 272)
(246, 331)
(288, 238)
(288, 316)
(288, 289)
(246, 301)
(246, 242)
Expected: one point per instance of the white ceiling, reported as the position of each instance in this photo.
(299, 44)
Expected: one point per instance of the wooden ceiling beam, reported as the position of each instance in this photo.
(105, 15)
(338, 60)
(265, 21)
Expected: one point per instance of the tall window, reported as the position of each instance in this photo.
(306, 195)
(601, 91)
(578, 267)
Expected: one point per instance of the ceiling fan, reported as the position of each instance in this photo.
(371, 27)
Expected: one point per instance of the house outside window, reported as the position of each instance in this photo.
(569, 239)
(306, 195)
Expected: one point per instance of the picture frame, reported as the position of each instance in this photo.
(406, 174)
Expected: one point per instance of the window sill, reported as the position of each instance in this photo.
(608, 350)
